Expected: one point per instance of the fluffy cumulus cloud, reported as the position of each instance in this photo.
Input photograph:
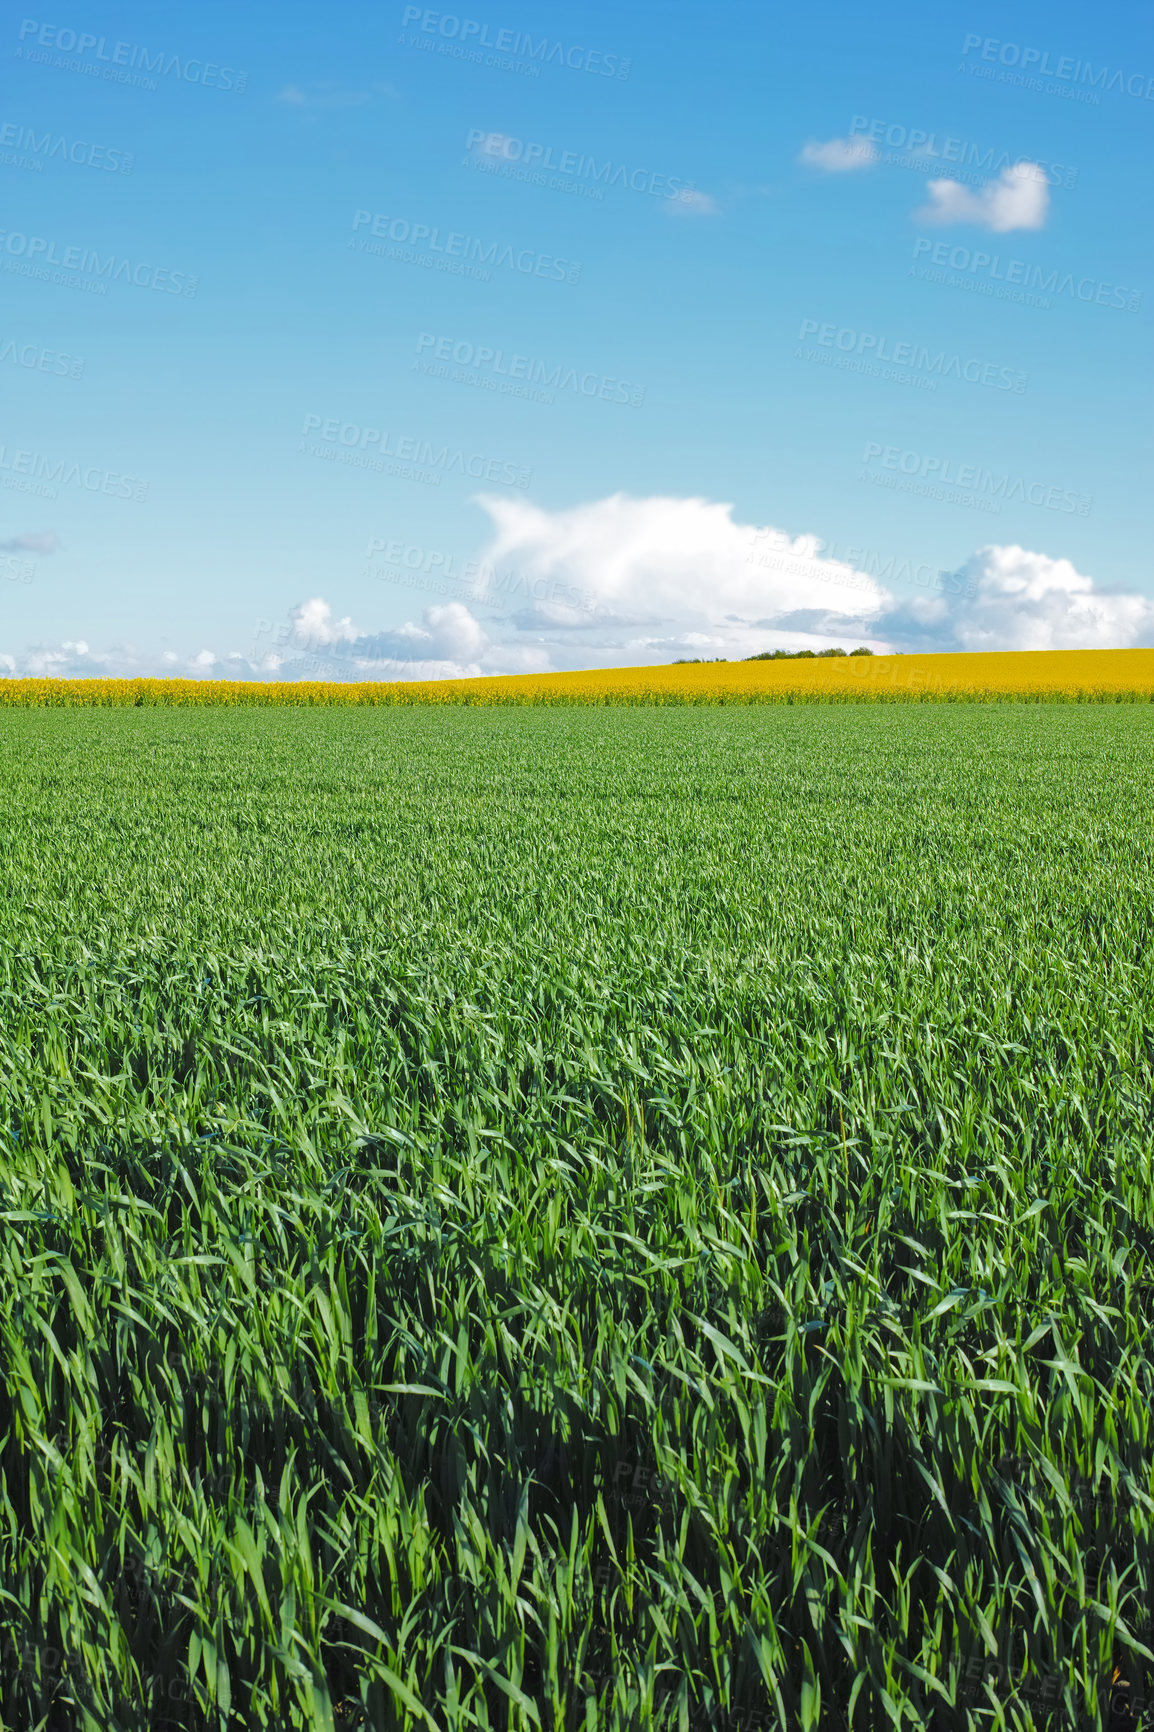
(1018, 199)
(1029, 601)
(1011, 598)
(626, 580)
(623, 581)
(652, 579)
(449, 643)
(838, 155)
(312, 623)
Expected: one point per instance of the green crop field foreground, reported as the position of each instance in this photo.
(577, 1218)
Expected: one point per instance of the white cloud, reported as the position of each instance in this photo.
(456, 632)
(45, 543)
(1029, 601)
(1018, 199)
(1012, 598)
(624, 581)
(549, 614)
(449, 643)
(313, 624)
(447, 634)
(673, 566)
(651, 579)
(838, 155)
(692, 204)
(73, 659)
(326, 94)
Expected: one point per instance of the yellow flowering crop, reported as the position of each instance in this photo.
(1039, 676)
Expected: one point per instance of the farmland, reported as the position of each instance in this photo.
(577, 1217)
(1011, 676)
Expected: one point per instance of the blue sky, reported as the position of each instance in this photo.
(402, 342)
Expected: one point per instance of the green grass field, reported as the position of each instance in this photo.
(592, 1219)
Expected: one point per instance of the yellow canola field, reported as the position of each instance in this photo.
(1039, 676)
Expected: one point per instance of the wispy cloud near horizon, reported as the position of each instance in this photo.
(45, 543)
